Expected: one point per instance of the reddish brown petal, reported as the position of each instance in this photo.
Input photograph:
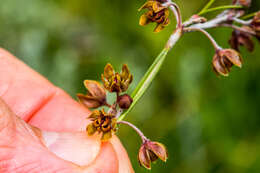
(217, 66)
(95, 89)
(143, 158)
(158, 149)
(144, 20)
(89, 101)
(232, 55)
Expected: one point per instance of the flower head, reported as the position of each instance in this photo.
(102, 122)
(150, 151)
(116, 82)
(224, 59)
(240, 38)
(96, 95)
(156, 13)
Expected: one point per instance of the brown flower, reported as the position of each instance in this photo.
(150, 151)
(245, 3)
(240, 38)
(96, 96)
(115, 82)
(224, 59)
(102, 123)
(256, 24)
(156, 13)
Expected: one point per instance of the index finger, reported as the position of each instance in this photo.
(36, 100)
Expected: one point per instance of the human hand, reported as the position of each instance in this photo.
(40, 128)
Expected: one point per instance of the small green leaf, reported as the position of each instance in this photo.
(249, 15)
(206, 6)
(220, 8)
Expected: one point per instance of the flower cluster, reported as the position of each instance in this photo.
(243, 35)
(102, 121)
(106, 123)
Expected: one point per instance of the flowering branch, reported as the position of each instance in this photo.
(106, 122)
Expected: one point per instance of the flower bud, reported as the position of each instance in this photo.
(96, 96)
(124, 101)
(224, 59)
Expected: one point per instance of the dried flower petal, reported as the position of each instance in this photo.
(144, 20)
(256, 24)
(232, 55)
(94, 114)
(158, 149)
(95, 89)
(96, 96)
(106, 136)
(240, 38)
(91, 129)
(143, 157)
(217, 66)
(88, 101)
(108, 71)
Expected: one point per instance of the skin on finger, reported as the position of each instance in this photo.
(124, 162)
(27, 93)
(71, 146)
(27, 151)
(22, 151)
(61, 114)
(106, 161)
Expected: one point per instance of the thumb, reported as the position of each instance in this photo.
(24, 148)
(21, 148)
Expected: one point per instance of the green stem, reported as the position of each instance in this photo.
(220, 8)
(146, 81)
(249, 15)
(206, 6)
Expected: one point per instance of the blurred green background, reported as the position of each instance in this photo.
(209, 124)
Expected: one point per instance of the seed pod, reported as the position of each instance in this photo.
(224, 59)
(150, 151)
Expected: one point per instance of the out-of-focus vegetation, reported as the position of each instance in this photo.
(209, 124)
